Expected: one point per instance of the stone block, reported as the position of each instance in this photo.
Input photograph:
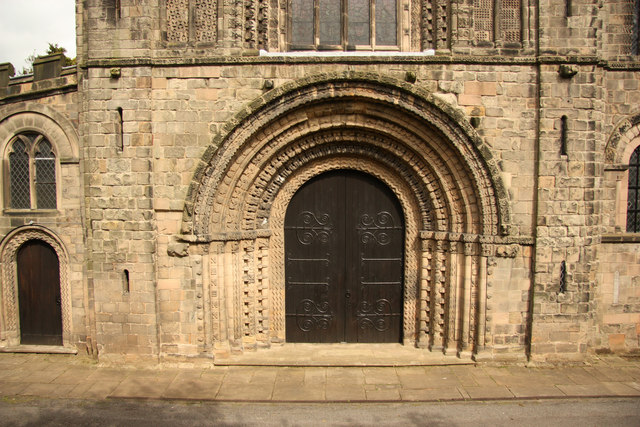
(48, 67)
(6, 71)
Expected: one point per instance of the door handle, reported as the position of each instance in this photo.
(348, 294)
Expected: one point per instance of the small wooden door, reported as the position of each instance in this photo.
(39, 294)
(344, 242)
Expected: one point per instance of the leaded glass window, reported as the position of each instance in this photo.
(45, 176)
(344, 24)
(32, 173)
(19, 176)
(633, 194)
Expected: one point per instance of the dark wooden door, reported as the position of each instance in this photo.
(344, 240)
(39, 294)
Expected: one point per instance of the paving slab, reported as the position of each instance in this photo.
(380, 376)
(49, 390)
(391, 394)
(192, 389)
(245, 392)
(533, 390)
(599, 389)
(74, 375)
(345, 392)
(432, 394)
(142, 387)
(298, 393)
(489, 392)
(61, 376)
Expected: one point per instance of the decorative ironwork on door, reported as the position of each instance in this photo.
(344, 242)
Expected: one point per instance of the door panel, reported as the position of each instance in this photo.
(39, 294)
(344, 240)
(375, 243)
(313, 230)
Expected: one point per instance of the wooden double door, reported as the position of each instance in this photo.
(344, 244)
(39, 294)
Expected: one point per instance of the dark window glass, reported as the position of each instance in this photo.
(45, 176)
(359, 22)
(343, 24)
(19, 176)
(32, 172)
(386, 23)
(633, 204)
(329, 14)
(302, 22)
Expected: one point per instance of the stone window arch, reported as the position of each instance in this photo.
(48, 144)
(622, 156)
(31, 170)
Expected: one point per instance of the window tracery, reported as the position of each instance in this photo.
(343, 25)
(31, 172)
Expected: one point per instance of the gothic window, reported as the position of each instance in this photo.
(344, 24)
(32, 173)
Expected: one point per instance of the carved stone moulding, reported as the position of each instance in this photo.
(424, 151)
(10, 311)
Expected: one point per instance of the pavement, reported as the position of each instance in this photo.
(75, 377)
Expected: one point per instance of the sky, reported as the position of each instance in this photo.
(28, 26)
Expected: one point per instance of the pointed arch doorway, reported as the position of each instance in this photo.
(39, 294)
(344, 243)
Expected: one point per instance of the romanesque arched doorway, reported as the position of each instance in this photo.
(454, 208)
(344, 243)
(39, 299)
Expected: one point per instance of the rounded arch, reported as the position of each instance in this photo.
(409, 204)
(31, 117)
(427, 144)
(8, 253)
(620, 144)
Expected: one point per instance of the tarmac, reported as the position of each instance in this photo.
(65, 376)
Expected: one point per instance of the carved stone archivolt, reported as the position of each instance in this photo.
(619, 146)
(10, 310)
(425, 152)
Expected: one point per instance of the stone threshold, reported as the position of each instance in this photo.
(43, 349)
(340, 355)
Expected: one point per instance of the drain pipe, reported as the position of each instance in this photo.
(536, 180)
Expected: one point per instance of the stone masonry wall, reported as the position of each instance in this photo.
(122, 229)
(618, 299)
(547, 129)
(191, 104)
(54, 113)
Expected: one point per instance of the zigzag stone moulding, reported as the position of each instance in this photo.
(617, 145)
(355, 103)
(449, 192)
(10, 309)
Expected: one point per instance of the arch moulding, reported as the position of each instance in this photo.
(455, 205)
(10, 311)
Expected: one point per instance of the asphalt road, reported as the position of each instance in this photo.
(538, 413)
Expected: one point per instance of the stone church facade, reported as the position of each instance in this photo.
(170, 198)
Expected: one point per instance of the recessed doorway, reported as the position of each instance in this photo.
(344, 244)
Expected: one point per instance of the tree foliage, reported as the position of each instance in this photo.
(52, 49)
